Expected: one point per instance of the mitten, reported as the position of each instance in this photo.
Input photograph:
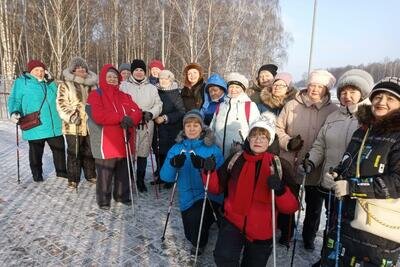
(295, 144)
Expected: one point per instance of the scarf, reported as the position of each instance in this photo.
(248, 187)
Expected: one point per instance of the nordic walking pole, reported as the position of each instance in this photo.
(296, 230)
(202, 217)
(133, 166)
(171, 201)
(17, 137)
(278, 167)
(129, 169)
(77, 149)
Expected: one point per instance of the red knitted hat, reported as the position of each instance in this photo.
(157, 64)
(35, 63)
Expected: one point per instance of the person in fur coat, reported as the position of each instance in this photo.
(193, 87)
(368, 182)
(193, 145)
(246, 179)
(265, 77)
(71, 101)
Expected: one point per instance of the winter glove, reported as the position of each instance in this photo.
(275, 183)
(307, 165)
(341, 188)
(197, 161)
(15, 116)
(147, 116)
(75, 118)
(328, 181)
(178, 160)
(209, 163)
(126, 122)
(235, 147)
(295, 144)
(48, 77)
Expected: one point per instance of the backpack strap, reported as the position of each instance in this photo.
(217, 109)
(247, 106)
(233, 160)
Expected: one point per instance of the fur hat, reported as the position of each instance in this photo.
(138, 64)
(34, 63)
(189, 67)
(124, 66)
(322, 77)
(357, 78)
(166, 74)
(267, 122)
(194, 113)
(388, 84)
(284, 76)
(156, 64)
(268, 67)
(76, 62)
(238, 79)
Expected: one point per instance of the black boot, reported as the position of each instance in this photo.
(141, 186)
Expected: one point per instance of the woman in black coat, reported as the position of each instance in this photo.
(169, 123)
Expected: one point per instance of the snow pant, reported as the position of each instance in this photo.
(191, 221)
(36, 148)
(314, 199)
(141, 165)
(230, 244)
(81, 160)
(286, 222)
(107, 169)
(379, 252)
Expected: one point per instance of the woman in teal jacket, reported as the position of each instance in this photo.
(29, 91)
(193, 145)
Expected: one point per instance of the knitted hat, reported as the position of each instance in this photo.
(76, 62)
(189, 67)
(267, 122)
(156, 64)
(268, 67)
(388, 84)
(284, 76)
(194, 113)
(124, 66)
(357, 78)
(238, 79)
(166, 74)
(322, 77)
(35, 63)
(138, 64)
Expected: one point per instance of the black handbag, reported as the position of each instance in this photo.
(31, 120)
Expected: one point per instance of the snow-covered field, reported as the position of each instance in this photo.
(46, 224)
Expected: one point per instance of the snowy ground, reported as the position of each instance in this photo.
(46, 224)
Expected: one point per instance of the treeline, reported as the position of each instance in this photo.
(221, 35)
(378, 70)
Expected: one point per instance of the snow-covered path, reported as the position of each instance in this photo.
(46, 224)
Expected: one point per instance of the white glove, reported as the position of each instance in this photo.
(341, 188)
(15, 116)
(328, 181)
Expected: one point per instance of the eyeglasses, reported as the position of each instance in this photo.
(261, 138)
(280, 86)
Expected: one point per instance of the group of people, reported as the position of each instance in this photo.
(233, 150)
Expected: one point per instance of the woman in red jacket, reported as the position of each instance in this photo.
(247, 178)
(111, 112)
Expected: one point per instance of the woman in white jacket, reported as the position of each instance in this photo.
(233, 116)
(353, 88)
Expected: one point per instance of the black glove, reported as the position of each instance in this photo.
(295, 144)
(147, 116)
(178, 160)
(126, 122)
(197, 161)
(276, 184)
(308, 165)
(209, 163)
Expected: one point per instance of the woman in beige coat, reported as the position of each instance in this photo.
(297, 127)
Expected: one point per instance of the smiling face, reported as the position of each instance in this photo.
(112, 78)
(349, 95)
(384, 103)
(125, 74)
(38, 72)
(258, 140)
(165, 82)
(138, 74)
(80, 72)
(279, 88)
(316, 91)
(193, 76)
(234, 90)
(192, 128)
(265, 78)
(154, 71)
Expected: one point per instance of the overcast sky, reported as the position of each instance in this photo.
(348, 32)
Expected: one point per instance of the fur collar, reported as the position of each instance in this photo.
(387, 124)
(90, 80)
(269, 100)
(207, 136)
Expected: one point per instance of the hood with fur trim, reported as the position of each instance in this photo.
(388, 124)
(90, 80)
(269, 100)
(207, 135)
